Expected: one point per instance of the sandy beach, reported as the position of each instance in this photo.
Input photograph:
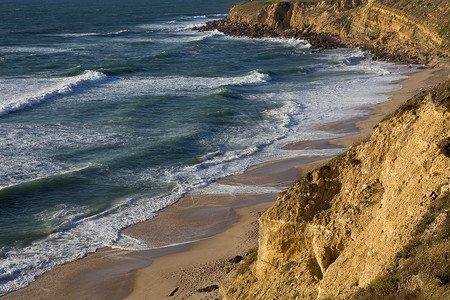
(219, 228)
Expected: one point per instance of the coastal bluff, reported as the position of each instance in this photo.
(404, 31)
(373, 223)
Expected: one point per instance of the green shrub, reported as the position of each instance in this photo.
(289, 281)
(288, 266)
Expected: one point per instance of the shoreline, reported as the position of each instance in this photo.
(157, 272)
(200, 264)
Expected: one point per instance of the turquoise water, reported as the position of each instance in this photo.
(112, 110)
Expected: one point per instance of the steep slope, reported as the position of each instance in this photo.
(352, 227)
(401, 30)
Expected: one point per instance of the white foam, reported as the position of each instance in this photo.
(176, 31)
(283, 114)
(128, 243)
(31, 50)
(118, 32)
(182, 85)
(32, 161)
(219, 16)
(290, 42)
(318, 102)
(60, 216)
(81, 237)
(357, 60)
(299, 43)
(84, 34)
(188, 37)
(315, 105)
(218, 189)
(181, 24)
(10, 101)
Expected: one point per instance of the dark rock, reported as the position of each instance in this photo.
(208, 288)
(322, 40)
(173, 292)
(236, 259)
(444, 146)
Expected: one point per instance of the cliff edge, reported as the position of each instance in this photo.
(373, 223)
(400, 30)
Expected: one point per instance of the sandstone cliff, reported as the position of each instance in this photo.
(373, 222)
(401, 30)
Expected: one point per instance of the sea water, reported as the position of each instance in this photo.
(111, 110)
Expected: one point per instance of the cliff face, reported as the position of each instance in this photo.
(340, 227)
(402, 30)
(374, 222)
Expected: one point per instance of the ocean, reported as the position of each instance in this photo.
(112, 110)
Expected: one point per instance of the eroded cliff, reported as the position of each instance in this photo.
(350, 228)
(401, 30)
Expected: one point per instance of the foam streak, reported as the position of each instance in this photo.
(65, 87)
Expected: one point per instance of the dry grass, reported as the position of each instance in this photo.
(421, 269)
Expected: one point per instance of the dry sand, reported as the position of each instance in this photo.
(220, 228)
(203, 265)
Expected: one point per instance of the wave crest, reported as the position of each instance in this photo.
(65, 87)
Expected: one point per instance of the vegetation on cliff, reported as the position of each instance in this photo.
(373, 223)
(421, 270)
(401, 30)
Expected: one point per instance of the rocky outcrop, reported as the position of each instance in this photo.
(401, 30)
(342, 226)
(350, 228)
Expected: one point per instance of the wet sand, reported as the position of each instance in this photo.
(217, 227)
